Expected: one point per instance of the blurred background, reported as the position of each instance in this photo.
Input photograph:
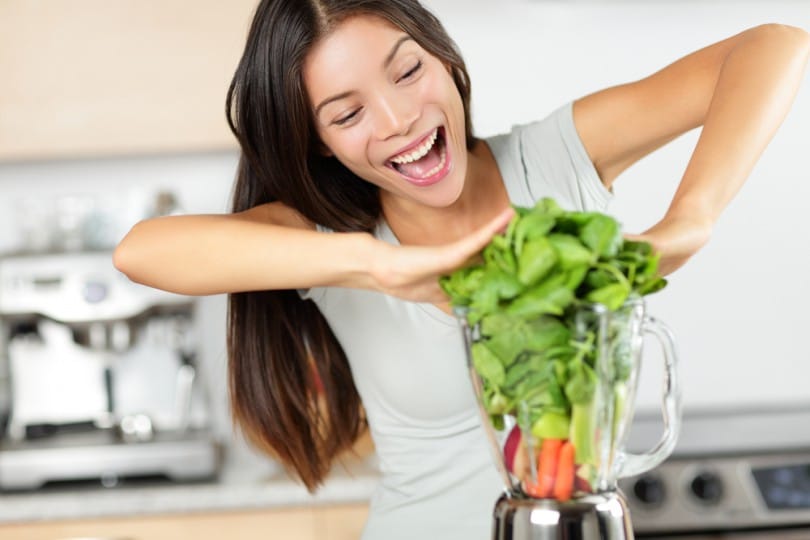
(113, 406)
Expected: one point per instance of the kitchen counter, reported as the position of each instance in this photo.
(243, 484)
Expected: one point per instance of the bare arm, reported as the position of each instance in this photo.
(273, 247)
(266, 247)
(739, 90)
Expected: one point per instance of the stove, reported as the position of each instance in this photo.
(734, 474)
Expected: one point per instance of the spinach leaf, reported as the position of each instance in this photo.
(535, 358)
(487, 365)
(535, 261)
(602, 234)
(571, 253)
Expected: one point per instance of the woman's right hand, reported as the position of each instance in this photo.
(412, 272)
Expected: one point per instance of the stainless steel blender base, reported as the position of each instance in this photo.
(596, 517)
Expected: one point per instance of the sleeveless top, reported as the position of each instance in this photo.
(438, 479)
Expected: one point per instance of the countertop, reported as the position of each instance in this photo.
(244, 483)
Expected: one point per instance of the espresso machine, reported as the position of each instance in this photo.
(101, 376)
(556, 404)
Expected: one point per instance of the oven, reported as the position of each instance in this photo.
(733, 475)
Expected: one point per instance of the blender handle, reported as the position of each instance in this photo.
(634, 464)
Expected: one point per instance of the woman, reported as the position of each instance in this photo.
(360, 182)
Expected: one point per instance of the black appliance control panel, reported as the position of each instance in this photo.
(721, 492)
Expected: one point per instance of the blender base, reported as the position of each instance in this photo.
(602, 516)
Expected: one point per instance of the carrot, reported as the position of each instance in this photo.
(532, 489)
(564, 484)
(547, 465)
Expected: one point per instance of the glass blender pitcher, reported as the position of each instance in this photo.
(556, 398)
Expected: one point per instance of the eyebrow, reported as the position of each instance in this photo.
(386, 63)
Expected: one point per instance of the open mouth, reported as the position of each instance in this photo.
(427, 163)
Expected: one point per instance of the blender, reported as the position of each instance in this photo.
(556, 397)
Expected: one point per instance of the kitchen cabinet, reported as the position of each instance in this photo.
(341, 522)
(344, 522)
(89, 78)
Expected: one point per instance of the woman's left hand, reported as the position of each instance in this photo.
(676, 238)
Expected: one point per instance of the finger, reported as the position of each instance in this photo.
(477, 240)
(441, 259)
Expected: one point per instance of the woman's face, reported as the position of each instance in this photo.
(389, 111)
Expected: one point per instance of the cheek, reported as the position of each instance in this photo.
(348, 146)
(445, 91)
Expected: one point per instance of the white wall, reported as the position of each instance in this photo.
(738, 309)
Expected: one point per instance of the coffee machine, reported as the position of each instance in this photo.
(101, 376)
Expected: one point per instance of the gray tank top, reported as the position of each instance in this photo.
(438, 478)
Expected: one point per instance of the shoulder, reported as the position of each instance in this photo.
(546, 158)
(549, 138)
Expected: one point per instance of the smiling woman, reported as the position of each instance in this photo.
(395, 116)
(361, 183)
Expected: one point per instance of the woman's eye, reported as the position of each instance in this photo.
(411, 72)
(345, 119)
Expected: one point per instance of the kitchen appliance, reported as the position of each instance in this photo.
(735, 474)
(102, 375)
(556, 401)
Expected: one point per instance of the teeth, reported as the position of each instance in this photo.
(419, 152)
(438, 167)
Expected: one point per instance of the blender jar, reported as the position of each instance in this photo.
(556, 396)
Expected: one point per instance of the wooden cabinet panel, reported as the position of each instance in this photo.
(341, 522)
(297, 523)
(101, 77)
(344, 522)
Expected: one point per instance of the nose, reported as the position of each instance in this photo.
(395, 114)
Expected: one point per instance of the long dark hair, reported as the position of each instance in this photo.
(290, 385)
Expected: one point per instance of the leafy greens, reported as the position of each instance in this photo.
(535, 361)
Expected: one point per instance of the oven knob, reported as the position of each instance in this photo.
(649, 489)
(707, 487)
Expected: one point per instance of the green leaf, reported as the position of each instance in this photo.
(548, 206)
(652, 286)
(498, 323)
(531, 226)
(510, 229)
(504, 285)
(612, 296)
(548, 298)
(602, 235)
(518, 371)
(508, 344)
(581, 383)
(497, 404)
(570, 251)
(499, 254)
(462, 284)
(598, 278)
(576, 276)
(537, 258)
(545, 333)
(487, 365)
(641, 248)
